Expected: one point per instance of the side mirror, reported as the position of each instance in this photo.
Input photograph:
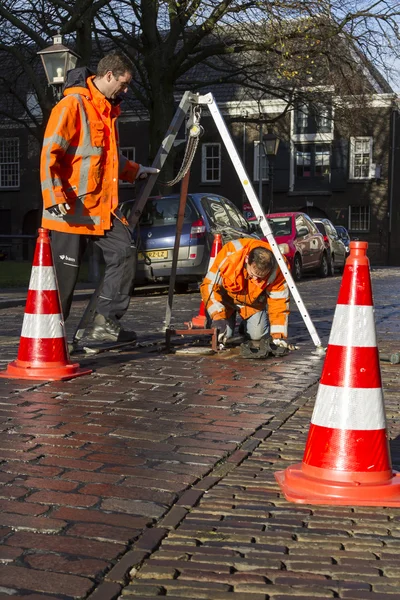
(302, 231)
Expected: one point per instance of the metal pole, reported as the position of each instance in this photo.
(187, 99)
(260, 172)
(179, 224)
(244, 179)
(271, 184)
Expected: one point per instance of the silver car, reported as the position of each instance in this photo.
(336, 249)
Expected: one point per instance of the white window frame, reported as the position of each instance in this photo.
(364, 220)
(205, 163)
(256, 163)
(371, 167)
(13, 152)
(130, 153)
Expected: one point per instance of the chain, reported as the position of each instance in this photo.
(195, 131)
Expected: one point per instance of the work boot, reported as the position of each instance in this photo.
(104, 329)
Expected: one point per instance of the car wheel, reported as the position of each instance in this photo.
(297, 268)
(181, 287)
(323, 268)
(332, 265)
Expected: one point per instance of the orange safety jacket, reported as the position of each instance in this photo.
(227, 288)
(80, 161)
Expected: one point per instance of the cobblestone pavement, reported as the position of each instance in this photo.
(154, 476)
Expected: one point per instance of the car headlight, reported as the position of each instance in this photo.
(284, 248)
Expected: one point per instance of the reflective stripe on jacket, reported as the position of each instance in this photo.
(227, 288)
(80, 162)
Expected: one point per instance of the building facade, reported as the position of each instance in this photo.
(341, 162)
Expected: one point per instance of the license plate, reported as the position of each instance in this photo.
(160, 254)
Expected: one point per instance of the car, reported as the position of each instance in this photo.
(300, 242)
(205, 215)
(344, 236)
(334, 245)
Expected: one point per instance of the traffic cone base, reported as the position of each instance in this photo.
(43, 350)
(301, 488)
(22, 370)
(347, 456)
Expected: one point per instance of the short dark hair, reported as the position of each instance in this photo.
(263, 261)
(116, 62)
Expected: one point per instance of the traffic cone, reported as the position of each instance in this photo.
(200, 320)
(43, 349)
(347, 458)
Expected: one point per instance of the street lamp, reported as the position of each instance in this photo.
(57, 61)
(271, 145)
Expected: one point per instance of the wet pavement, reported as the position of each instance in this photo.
(154, 476)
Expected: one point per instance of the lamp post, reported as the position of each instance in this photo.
(271, 145)
(57, 60)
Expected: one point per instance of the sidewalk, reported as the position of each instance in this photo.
(10, 297)
(154, 476)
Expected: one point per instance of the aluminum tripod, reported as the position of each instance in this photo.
(186, 106)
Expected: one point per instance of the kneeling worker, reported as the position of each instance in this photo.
(245, 278)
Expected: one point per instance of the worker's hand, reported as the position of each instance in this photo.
(222, 325)
(145, 171)
(280, 342)
(59, 210)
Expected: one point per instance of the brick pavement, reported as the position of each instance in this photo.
(161, 467)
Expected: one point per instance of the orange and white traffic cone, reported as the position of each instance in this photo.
(43, 348)
(347, 457)
(199, 321)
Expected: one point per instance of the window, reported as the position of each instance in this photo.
(313, 161)
(301, 226)
(216, 212)
(9, 163)
(360, 157)
(264, 163)
(302, 118)
(211, 163)
(359, 218)
(129, 153)
(239, 222)
(313, 118)
(323, 118)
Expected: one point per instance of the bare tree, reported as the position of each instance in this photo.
(266, 48)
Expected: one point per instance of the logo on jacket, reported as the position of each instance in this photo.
(68, 258)
(149, 234)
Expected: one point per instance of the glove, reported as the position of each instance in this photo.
(59, 210)
(222, 325)
(144, 171)
(280, 342)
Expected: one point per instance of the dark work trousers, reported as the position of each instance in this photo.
(119, 255)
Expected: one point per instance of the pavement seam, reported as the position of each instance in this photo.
(142, 549)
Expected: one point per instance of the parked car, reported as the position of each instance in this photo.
(334, 245)
(300, 242)
(344, 236)
(154, 235)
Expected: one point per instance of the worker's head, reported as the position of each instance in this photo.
(260, 262)
(114, 73)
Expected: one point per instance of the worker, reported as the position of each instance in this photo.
(80, 168)
(245, 278)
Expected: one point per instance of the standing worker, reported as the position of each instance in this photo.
(80, 168)
(245, 278)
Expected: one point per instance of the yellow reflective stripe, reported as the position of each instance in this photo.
(237, 245)
(279, 329)
(281, 294)
(216, 307)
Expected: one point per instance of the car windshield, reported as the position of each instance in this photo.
(280, 225)
(164, 211)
